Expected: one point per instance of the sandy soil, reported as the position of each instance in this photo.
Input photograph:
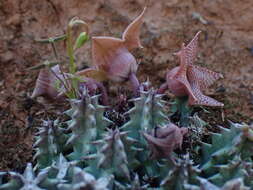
(226, 46)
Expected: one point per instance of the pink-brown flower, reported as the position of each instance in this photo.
(46, 85)
(111, 56)
(163, 140)
(190, 80)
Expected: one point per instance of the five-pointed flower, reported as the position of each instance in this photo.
(190, 80)
(112, 58)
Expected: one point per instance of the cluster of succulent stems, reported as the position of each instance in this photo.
(91, 154)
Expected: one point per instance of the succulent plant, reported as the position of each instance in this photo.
(136, 156)
(233, 169)
(60, 171)
(226, 158)
(49, 143)
(62, 165)
(248, 177)
(111, 155)
(91, 153)
(27, 181)
(134, 185)
(183, 174)
(234, 184)
(244, 142)
(225, 146)
(180, 106)
(87, 125)
(147, 113)
(84, 180)
(197, 126)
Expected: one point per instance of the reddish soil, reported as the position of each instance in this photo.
(226, 46)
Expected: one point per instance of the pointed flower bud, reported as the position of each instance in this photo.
(189, 80)
(46, 83)
(163, 140)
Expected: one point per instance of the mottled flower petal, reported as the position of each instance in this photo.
(204, 76)
(189, 52)
(190, 80)
(178, 83)
(184, 81)
(201, 99)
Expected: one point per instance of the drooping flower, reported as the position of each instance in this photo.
(190, 80)
(163, 140)
(46, 85)
(112, 58)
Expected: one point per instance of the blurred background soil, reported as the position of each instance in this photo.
(226, 46)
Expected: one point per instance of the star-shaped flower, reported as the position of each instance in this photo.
(163, 140)
(112, 58)
(190, 80)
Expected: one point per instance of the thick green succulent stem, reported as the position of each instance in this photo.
(184, 110)
(87, 125)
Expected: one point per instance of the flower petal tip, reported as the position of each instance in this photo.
(198, 33)
(132, 32)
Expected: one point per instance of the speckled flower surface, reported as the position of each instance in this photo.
(190, 80)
